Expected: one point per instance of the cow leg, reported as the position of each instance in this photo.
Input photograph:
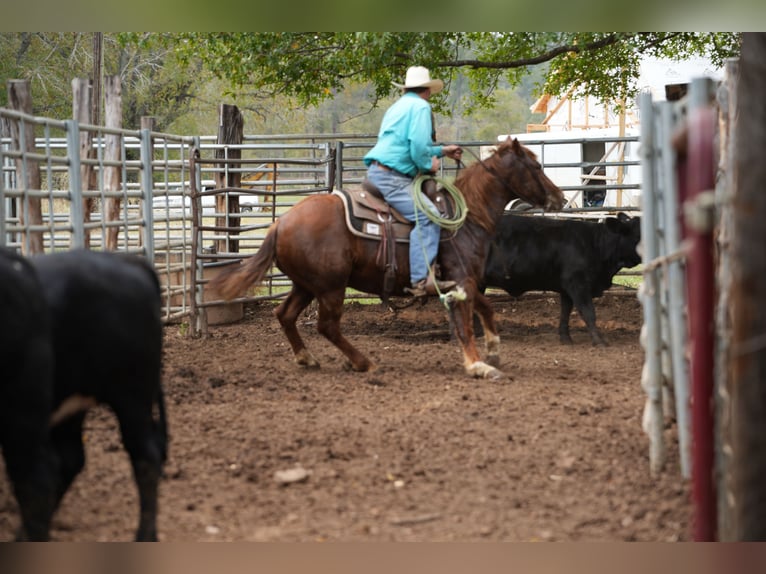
(287, 314)
(25, 404)
(491, 338)
(328, 325)
(69, 452)
(146, 449)
(29, 469)
(588, 313)
(566, 311)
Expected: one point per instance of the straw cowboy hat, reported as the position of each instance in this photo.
(419, 77)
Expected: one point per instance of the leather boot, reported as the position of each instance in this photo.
(428, 286)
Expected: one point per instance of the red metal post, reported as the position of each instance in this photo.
(700, 213)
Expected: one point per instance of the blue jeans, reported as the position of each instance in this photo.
(424, 237)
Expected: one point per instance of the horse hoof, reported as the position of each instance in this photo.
(306, 359)
(365, 368)
(480, 370)
(493, 360)
(495, 375)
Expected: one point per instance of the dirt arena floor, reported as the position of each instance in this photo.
(415, 451)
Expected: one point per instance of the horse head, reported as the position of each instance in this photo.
(525, 177)
(512, 171)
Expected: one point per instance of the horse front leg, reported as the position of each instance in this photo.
(287, 314)
(491, 337)
(328, 325)
(461, 309)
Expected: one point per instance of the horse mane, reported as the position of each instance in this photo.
(476, 183)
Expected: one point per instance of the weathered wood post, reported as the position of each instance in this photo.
(230, 132)
(112, 153)
(725, 185)
(748, 288)
(27, 170)
(82, 108)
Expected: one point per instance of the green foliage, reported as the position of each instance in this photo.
(51, 60)
(341, 82)
(313, 66)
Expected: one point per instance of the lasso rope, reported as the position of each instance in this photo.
(461, 210)
(448, 223)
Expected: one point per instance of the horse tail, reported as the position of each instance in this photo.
(234, 281)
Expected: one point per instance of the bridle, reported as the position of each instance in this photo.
(498, 176)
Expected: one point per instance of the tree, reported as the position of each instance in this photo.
(151, 84)
(313, 66)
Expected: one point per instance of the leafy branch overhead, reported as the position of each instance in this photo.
(312, 66)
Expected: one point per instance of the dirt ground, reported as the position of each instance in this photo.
(415, 451)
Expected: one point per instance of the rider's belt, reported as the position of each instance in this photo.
(385, 167)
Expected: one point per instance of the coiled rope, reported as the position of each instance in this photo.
(461, 209)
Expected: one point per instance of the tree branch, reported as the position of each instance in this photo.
(545, 57)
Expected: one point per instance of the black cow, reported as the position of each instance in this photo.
(107, 340)
(26, 393)
(576, 259)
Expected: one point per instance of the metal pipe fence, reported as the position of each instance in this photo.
(162, 175)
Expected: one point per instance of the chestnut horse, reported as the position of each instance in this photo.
(312, 246)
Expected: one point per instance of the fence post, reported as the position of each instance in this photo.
(700, 211)
(230, 132)
(338, 166)
(27, 170)
(748, 345)
(112, 153)
(675, 290)
(197, 319)
(82, 110)
(727, 103)
(76, 206)
(3, 201)
(651, 375)
(329, 168)
(147, 186)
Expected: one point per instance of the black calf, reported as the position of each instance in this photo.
(576, 259)
(107, 334)
(102, 344)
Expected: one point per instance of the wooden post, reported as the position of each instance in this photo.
(98, 71)
(230, 132)
(748, 352)
(621, 155)
(20, 99)
(725, 185)
(81, 112)
(112, 153)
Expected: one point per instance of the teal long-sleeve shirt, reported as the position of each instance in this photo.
(404, 141)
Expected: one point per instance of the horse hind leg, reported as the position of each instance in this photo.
(287, 314)
(328, 325)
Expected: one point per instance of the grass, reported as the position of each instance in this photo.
(630, 281)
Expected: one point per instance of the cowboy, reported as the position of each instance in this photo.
(405, 149)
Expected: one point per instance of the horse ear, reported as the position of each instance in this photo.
(516, 146)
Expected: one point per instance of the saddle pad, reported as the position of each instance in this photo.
(366, 215)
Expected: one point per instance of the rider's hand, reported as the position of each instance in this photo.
(453, 151)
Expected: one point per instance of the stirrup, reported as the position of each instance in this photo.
(430, 286)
